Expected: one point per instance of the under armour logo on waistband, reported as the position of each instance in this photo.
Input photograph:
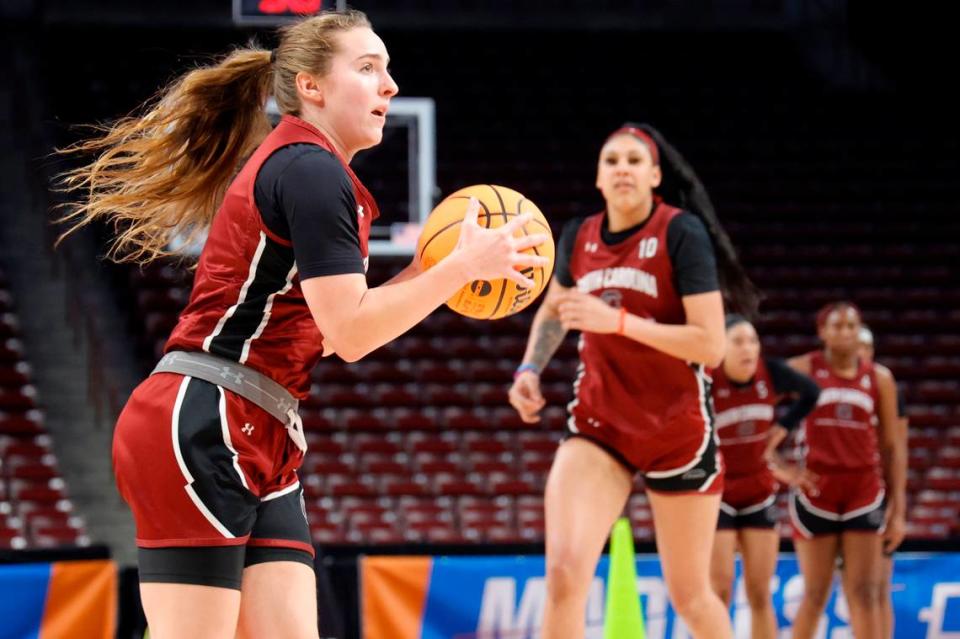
(228, 373)
(247, 429)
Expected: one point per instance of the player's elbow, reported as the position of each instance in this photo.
(889, 447)
(351, 356)
(351, 352)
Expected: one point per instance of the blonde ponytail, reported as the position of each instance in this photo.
(163, 174)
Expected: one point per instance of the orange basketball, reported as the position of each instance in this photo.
(479, 299)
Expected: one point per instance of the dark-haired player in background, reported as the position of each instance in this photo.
(640, 280)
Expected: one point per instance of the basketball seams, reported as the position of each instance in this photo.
(486, 211)
(503, 205)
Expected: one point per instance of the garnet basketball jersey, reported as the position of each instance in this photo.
(247, 304)
(744, 415)
(620, 380)
(840, 434)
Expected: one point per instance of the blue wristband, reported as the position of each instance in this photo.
(523, 368)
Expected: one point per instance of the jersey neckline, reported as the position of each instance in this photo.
(611, 238)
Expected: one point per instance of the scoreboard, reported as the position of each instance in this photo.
(272, 12)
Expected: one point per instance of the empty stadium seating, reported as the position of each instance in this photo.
(35, 511)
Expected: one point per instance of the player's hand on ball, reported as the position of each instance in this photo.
(585, 312)
(491, 254)
(525, 396)
(493, 243)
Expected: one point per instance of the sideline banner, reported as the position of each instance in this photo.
(502, 597)
(59, 600)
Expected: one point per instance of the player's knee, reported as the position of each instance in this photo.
(722, 581)
(567, 574)
(884, 589)
(758, 593)
(866, 593)
(817, 594)
(690, 599)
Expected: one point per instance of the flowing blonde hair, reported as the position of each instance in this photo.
(162, 173)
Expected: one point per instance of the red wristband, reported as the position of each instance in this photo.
(622, 321)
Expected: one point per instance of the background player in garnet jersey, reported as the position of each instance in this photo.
(852, 442)
(746, 391)
(210, 472)
(640, 280)
(867, 351)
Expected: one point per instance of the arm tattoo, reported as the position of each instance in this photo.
(547, 339)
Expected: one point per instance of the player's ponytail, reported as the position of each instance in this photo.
(162, 173)
(682, 188)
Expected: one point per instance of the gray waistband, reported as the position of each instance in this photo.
(242, 380)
